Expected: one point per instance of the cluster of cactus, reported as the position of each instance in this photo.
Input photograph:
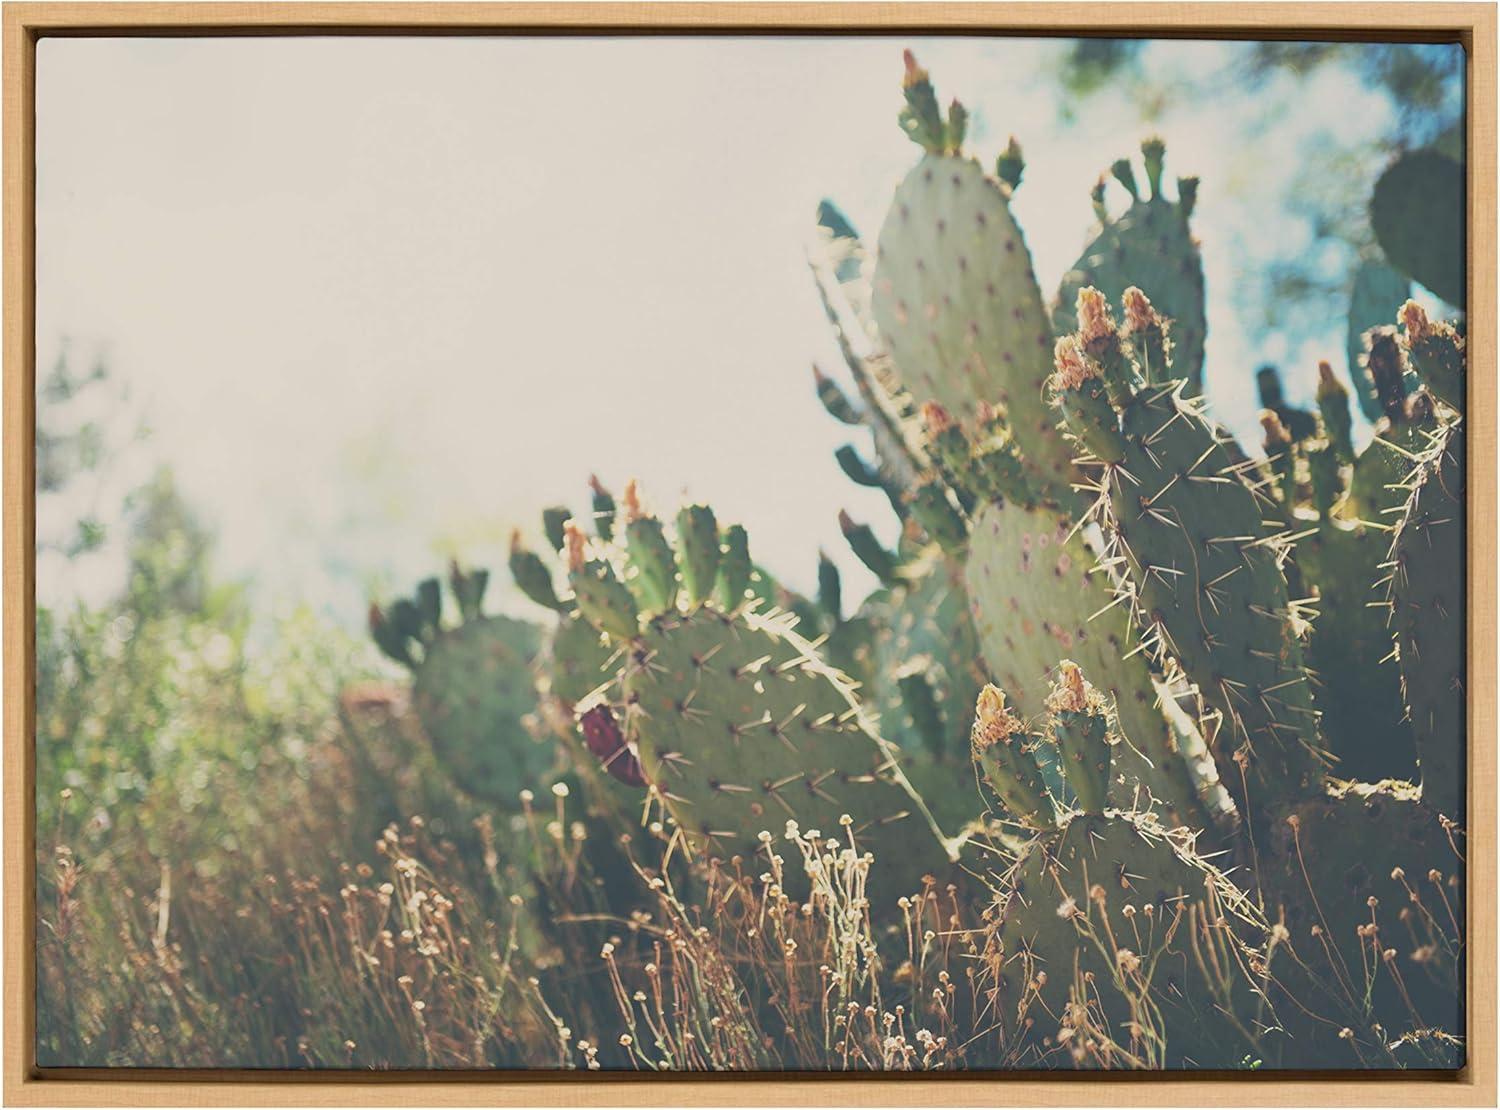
(1195, 846)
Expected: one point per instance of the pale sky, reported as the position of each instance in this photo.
(382, 299)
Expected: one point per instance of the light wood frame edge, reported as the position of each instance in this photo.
(1472, 23)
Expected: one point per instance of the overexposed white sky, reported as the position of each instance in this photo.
(381, 299)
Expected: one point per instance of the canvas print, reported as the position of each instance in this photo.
(470, 636)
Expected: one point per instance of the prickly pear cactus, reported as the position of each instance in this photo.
(1202, 571)
(1101, 924)
(1428, 612)
(729, 719)
(956, 299)
(740, 728)
(1038, 597)
(1150, 246)
(473, 689)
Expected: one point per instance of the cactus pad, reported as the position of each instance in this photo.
(1103, 934)
(1151, 246)
(1428, 615)
(959, 308)
(472, 689)
(740, 728)
(1037, 600)
(1417, 214)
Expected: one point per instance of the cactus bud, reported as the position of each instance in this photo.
(881, 563)
(914, 74)
(468, 590)
(958, 126)
(935, 418)
(1437, 354)
(649, 554)
(576, 542)
(430, 604)
(604, 509)
(1080, 725)
(938, 516)
(1333, 404)
(632, 499)
(603, 600)
(388, 638)
(834, 400)
(855, 468)
(1154, 153)
(1385, 366)
(733, 581)
(1072, 364)
(1096, 197)
(1096, 322)
(922, 119)
(698, 550)
(1187, 195)
(1276, 437)
(1278, 448)
(554, 525)
(1124, 173)
(1414, 319)
(1079, 390)
(406, 619)
(830, 587)
(1003, 751)
(1011, 165)
(1140, 314)
(532, 576)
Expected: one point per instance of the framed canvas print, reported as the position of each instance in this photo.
(457, 649)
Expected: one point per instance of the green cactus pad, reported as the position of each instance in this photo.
(924, 620)
(1006, 754)
(1428, 615)
(1150, 246)
(1358, 686)
(698, 551)
(1104, 929)
(740, 728)
(958, 305)
(1080, 728)
(1417, 214)
(1209, 589)
(604, 600)
(1037, 600)
(471, 692)
(576, 660)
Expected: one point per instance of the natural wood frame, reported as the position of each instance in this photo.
(1471, 24)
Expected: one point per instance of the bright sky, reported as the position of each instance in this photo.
(382, 299)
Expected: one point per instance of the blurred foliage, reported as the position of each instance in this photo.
(1425, 82)
(1090, 64)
